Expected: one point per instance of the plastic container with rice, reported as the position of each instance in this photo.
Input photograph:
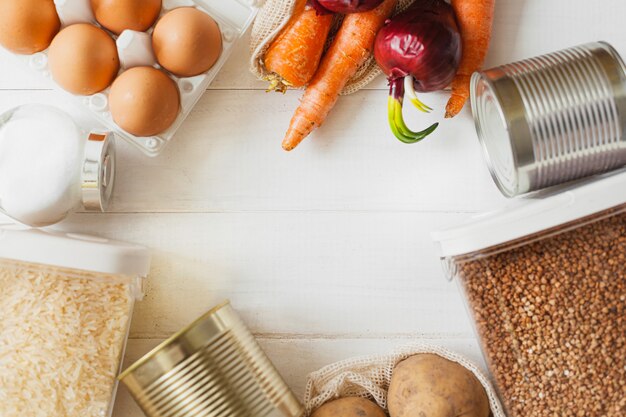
(66, 303)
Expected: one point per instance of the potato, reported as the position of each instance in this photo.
(427, 385)
(349, 407)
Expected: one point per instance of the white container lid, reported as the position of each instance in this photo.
(529, 215)
(73, 251)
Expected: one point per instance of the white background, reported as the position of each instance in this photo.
(325, 251)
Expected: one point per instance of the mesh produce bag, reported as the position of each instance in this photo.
(369, 377)
(274, 15)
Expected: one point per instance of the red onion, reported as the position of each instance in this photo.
(346, 6)
(419, 49)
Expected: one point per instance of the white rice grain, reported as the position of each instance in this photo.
(61, 339)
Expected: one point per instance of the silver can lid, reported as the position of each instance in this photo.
(98, 172)
(501, 127)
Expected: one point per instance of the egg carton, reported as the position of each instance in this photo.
(234, 17)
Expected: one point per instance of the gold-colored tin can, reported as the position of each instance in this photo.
(212, 368)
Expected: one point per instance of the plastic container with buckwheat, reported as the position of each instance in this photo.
(545, 282)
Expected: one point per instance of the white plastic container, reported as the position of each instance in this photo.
(49, 166)
(545, 282)
(66, 303)
(233, 17)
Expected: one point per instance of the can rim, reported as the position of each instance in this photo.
(487, 154)
(611, 49)
(167, 342)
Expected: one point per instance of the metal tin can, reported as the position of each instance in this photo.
(554, 118)
(212, 368)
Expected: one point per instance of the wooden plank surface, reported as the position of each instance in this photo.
(313, 273)
(227, 157)
(325, 251)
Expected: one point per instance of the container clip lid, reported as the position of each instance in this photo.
(73, 251)
(533, 214)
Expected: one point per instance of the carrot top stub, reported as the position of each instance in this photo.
(294, 56)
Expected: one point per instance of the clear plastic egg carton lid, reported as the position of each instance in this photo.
(233, 17)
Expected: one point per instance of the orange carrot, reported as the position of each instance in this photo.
(350, 49)
(475, 18)
(293, 57)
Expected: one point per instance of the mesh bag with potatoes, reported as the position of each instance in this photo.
(370, 377)
(274, 15)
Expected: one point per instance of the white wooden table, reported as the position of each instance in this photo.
(325, 251)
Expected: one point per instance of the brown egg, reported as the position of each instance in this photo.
(118, 15)
(27, 26)
(83, 59)
(144, 101)
(187, 42)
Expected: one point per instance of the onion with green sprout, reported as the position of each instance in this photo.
(418, 50)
